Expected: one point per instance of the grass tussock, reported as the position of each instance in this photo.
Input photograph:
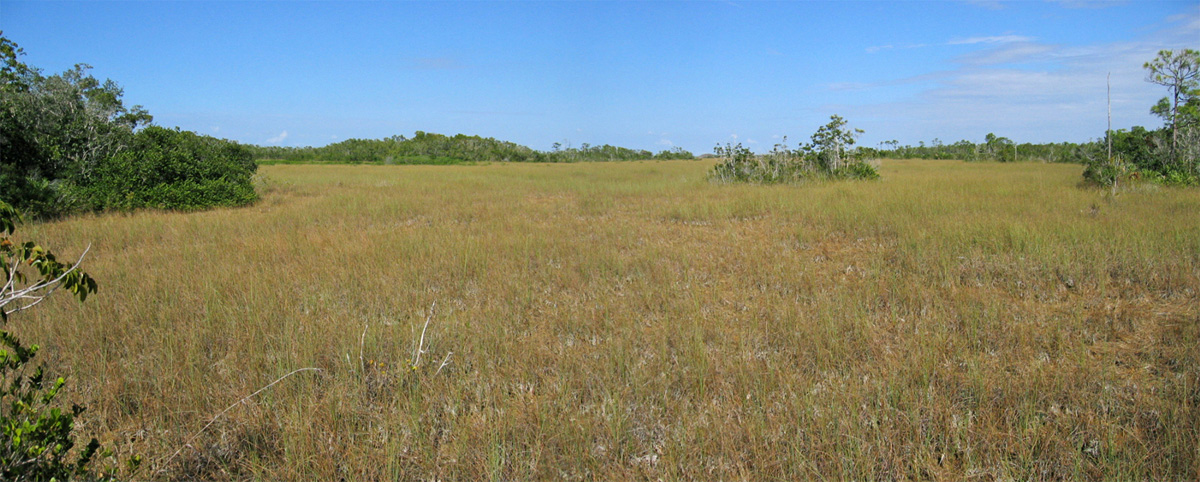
(633, 321)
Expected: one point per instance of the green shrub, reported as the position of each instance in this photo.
(856, 170)
(172, 169)
(35, 435)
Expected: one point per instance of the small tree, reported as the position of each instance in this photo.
(831, 140)
(36, 442)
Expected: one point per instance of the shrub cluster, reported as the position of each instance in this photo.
(829, 156)
(1145, 155)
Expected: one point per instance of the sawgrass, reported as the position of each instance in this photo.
(632, 321)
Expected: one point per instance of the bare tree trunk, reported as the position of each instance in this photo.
(1109, 134)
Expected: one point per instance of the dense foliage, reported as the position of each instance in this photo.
(1170, 155)
(830, 155)
(430, 148)
(68, 143)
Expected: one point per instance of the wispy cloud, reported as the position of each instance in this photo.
(1010, 53)
(988, 4)
(994, 39)
(1188, 21)
(1089, 3)
(279, 138)
(436, 63)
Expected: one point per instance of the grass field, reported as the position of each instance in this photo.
(625, 321)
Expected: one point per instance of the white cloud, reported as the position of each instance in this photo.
(279, 138)
(995, 39)
(666, 142)
(733, 136)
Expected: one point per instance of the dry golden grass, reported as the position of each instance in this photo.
(632, 321)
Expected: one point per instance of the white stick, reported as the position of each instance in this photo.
(227, 409)
(421, 344)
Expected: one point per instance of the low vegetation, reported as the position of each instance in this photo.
(624, 321)
(961, 321)
(171, 169)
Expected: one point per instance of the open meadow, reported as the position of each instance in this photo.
(617, 321)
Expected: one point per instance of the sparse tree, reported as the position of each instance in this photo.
(1179, 72)
(832, 139)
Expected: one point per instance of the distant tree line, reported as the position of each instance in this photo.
(430, 148)
(993, 148)
(68, 143)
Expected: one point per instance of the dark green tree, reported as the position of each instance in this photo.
(55, 131)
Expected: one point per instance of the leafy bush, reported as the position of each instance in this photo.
(35, 435)
(172, 169)
(856, 170)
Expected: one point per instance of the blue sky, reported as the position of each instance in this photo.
(648, 75)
